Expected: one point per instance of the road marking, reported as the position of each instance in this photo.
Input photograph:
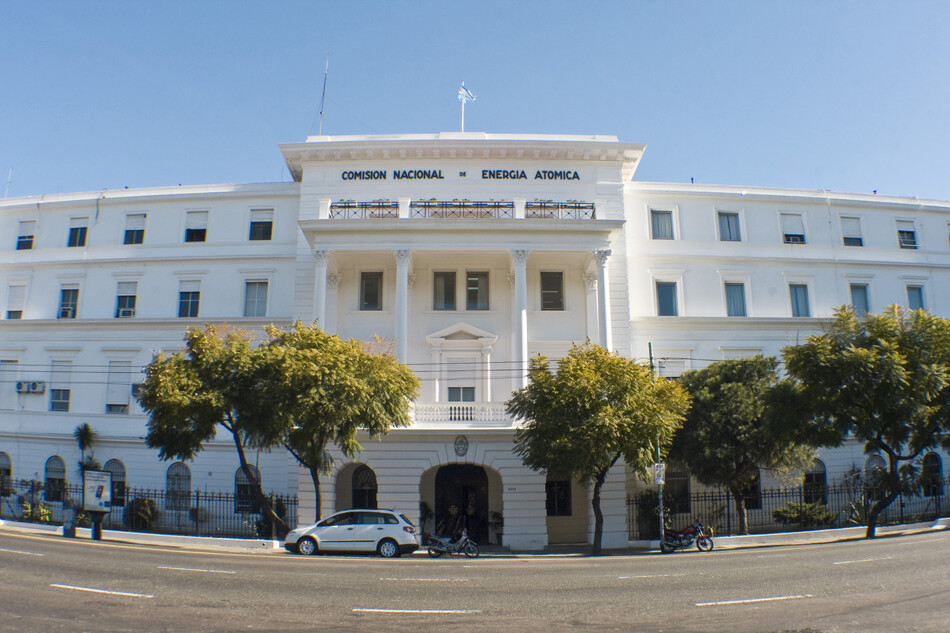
(753, 600)
(16, 551)
(654, 576)
(427, 579)
(111, 593)
(863, 560)
(417, 610)
(206, 571)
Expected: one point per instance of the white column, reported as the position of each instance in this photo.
(486, 373)
(436, 358)
(402, 303)
(520, 333)
(603, 299)
(320, 259)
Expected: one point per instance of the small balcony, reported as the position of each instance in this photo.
(465, 209)
(352, 210)
(550, 210)
(461, 414)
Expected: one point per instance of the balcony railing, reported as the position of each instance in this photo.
(352, 210)
(465, 209)
(476, 413)
(548, 210)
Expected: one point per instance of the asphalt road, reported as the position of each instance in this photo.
(49, 583)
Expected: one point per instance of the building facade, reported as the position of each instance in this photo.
(467, 253)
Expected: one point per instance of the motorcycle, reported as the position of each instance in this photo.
(444, 545)
(697, 532)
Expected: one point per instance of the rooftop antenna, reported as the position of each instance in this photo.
(464, 95)
(9, 180)
(323, 99)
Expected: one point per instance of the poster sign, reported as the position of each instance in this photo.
(97, 491)
(659, 473)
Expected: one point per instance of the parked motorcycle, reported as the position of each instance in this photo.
(697, 532)
(439, 545)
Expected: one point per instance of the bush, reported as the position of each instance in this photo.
(40, 512)
(804, 514)
(141, 514)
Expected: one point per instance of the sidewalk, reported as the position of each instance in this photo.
(208, 543)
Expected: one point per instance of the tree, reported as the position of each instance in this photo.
(742, 418)
(884, 379)
(597, 408)
(86, 437)
(330, 390)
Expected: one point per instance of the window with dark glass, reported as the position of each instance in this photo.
(793, 228)
(851, 232)
(6, 475)
(735, 299)
(815, 485)
(558, 497)
(798, 294)
(24, 240)
(859, 299)
(906, 234)
(915, 297)
(117, 468)
(255, 298)
(134, 228)
(666, 298)
(68, 302)
(244, 500)
(77, 232)
(55, 482)
(676, 489)
(461, 394)
(443, 292)
(196, 226)
(476, 290)
(262, 222)
(371, 291)
(178, 487)
(189, 296)
(552, 291)
(125, 299)
(661, 224)
(16, 299)
(931, 475)
(729, 227)
(364, 487)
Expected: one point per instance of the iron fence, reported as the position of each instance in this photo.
(198, 513)
(782, 509)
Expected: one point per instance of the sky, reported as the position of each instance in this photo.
(848, 96)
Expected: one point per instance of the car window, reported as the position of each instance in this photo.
(406, 519)
(347, 518)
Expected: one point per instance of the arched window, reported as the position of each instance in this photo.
(364, 487)
(815, 484)
(6, 475)
(931, 475)
(178, 487)
(874, 476)
(55, 479)
(117, 469)
(244, 491)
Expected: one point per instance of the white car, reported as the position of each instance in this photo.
(383, 531)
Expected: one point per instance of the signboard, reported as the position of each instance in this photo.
(97, 491)
(659, 473)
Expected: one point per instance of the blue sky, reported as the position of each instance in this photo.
(852, 96)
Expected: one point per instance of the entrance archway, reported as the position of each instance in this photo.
(461, 500)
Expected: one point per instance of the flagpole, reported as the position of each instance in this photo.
(463, 115)
(323, 99)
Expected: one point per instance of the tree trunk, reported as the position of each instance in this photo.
(741, 512)
(598, 514)
(894, 489)
(315, 477)
(262, 500)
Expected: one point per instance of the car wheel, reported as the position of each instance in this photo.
(307, 546)
(388, 548)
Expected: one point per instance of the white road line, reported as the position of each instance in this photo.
(753, 600)
(416, 610)
(111, 593)
(654, 576)
(427, 579)
(206, 571)
(16, 551)
(863, 560)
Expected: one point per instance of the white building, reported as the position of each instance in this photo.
(472, 252)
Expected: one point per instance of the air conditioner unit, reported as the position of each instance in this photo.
(126, 312)
(37, 386)
(137, 389)
(22, 386)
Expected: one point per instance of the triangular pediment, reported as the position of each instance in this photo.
(460, 333)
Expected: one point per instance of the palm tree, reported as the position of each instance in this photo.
(86, 437)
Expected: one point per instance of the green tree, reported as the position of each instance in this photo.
(597, 408)
(742, 418)
(330, 390)
(86, 437)
(883, 379)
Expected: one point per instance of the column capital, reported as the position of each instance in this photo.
(601, 256)
(520, 256)
(333, 280)
(402, 255)
(321, 255)
(591, 282)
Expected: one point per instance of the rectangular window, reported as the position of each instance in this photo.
(27, 231)
(371, 291)
(552, 291)
(443, 291)
(262, 223)
(196, 226)
(461, 394)
(60, 378)
(476, 291)
(558, 498)
(859, 299)
(798, 293)
(255, 298)
(666, 298)
(68, 302)
(661, 224)
(125, 299)
(735, 299)
(134, 228)
(851, 232)
(915, 297)
(793, 228)
(189, 295)
(16, 300)
(77, 231)
(729, 227)
(119, 386)
(906, 234)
